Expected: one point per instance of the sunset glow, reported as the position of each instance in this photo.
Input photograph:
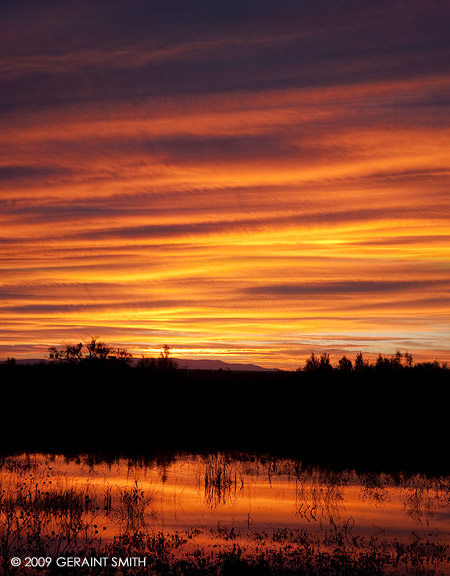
(249, 184)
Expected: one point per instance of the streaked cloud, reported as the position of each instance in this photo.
(351, 287)
(250, 180)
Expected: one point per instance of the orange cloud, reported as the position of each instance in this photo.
(255, 224)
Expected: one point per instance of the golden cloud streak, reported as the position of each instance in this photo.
(154, 223)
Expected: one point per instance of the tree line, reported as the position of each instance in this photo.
(94, 350)
(97, 350)
(383, 364)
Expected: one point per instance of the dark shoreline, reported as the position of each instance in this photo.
(393, 421)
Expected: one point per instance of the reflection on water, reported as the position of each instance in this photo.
(212, 503)
(223, 481)
(320, 496)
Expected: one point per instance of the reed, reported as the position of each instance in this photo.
(41, 514)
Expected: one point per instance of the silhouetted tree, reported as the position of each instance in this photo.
(312, 363)
(74, 351)
(68, 352)
(345, 364)
(54, 353)
(164, 360)
(396, 361)
(162, 363)
(322, 364)
(360, 364)
(408, 360)
(325, 364)
(431, 366)
(97, 350)
(122, 355)
(386, 364)
(382, 363)
(165, 352)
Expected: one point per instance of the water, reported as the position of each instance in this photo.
(216, 503)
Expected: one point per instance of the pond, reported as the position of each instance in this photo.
(191, 513)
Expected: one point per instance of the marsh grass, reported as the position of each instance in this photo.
(319, 496)
(42, 514)
(133, 510)
(280, 553)
(222, 481)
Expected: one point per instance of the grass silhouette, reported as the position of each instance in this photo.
(50, 520)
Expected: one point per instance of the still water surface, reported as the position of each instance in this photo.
(219, 498)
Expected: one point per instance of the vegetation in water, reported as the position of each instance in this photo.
(44, 517)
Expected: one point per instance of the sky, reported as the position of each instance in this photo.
(248, 181)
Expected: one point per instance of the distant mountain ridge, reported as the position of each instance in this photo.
(220, 365)
(189, 365)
